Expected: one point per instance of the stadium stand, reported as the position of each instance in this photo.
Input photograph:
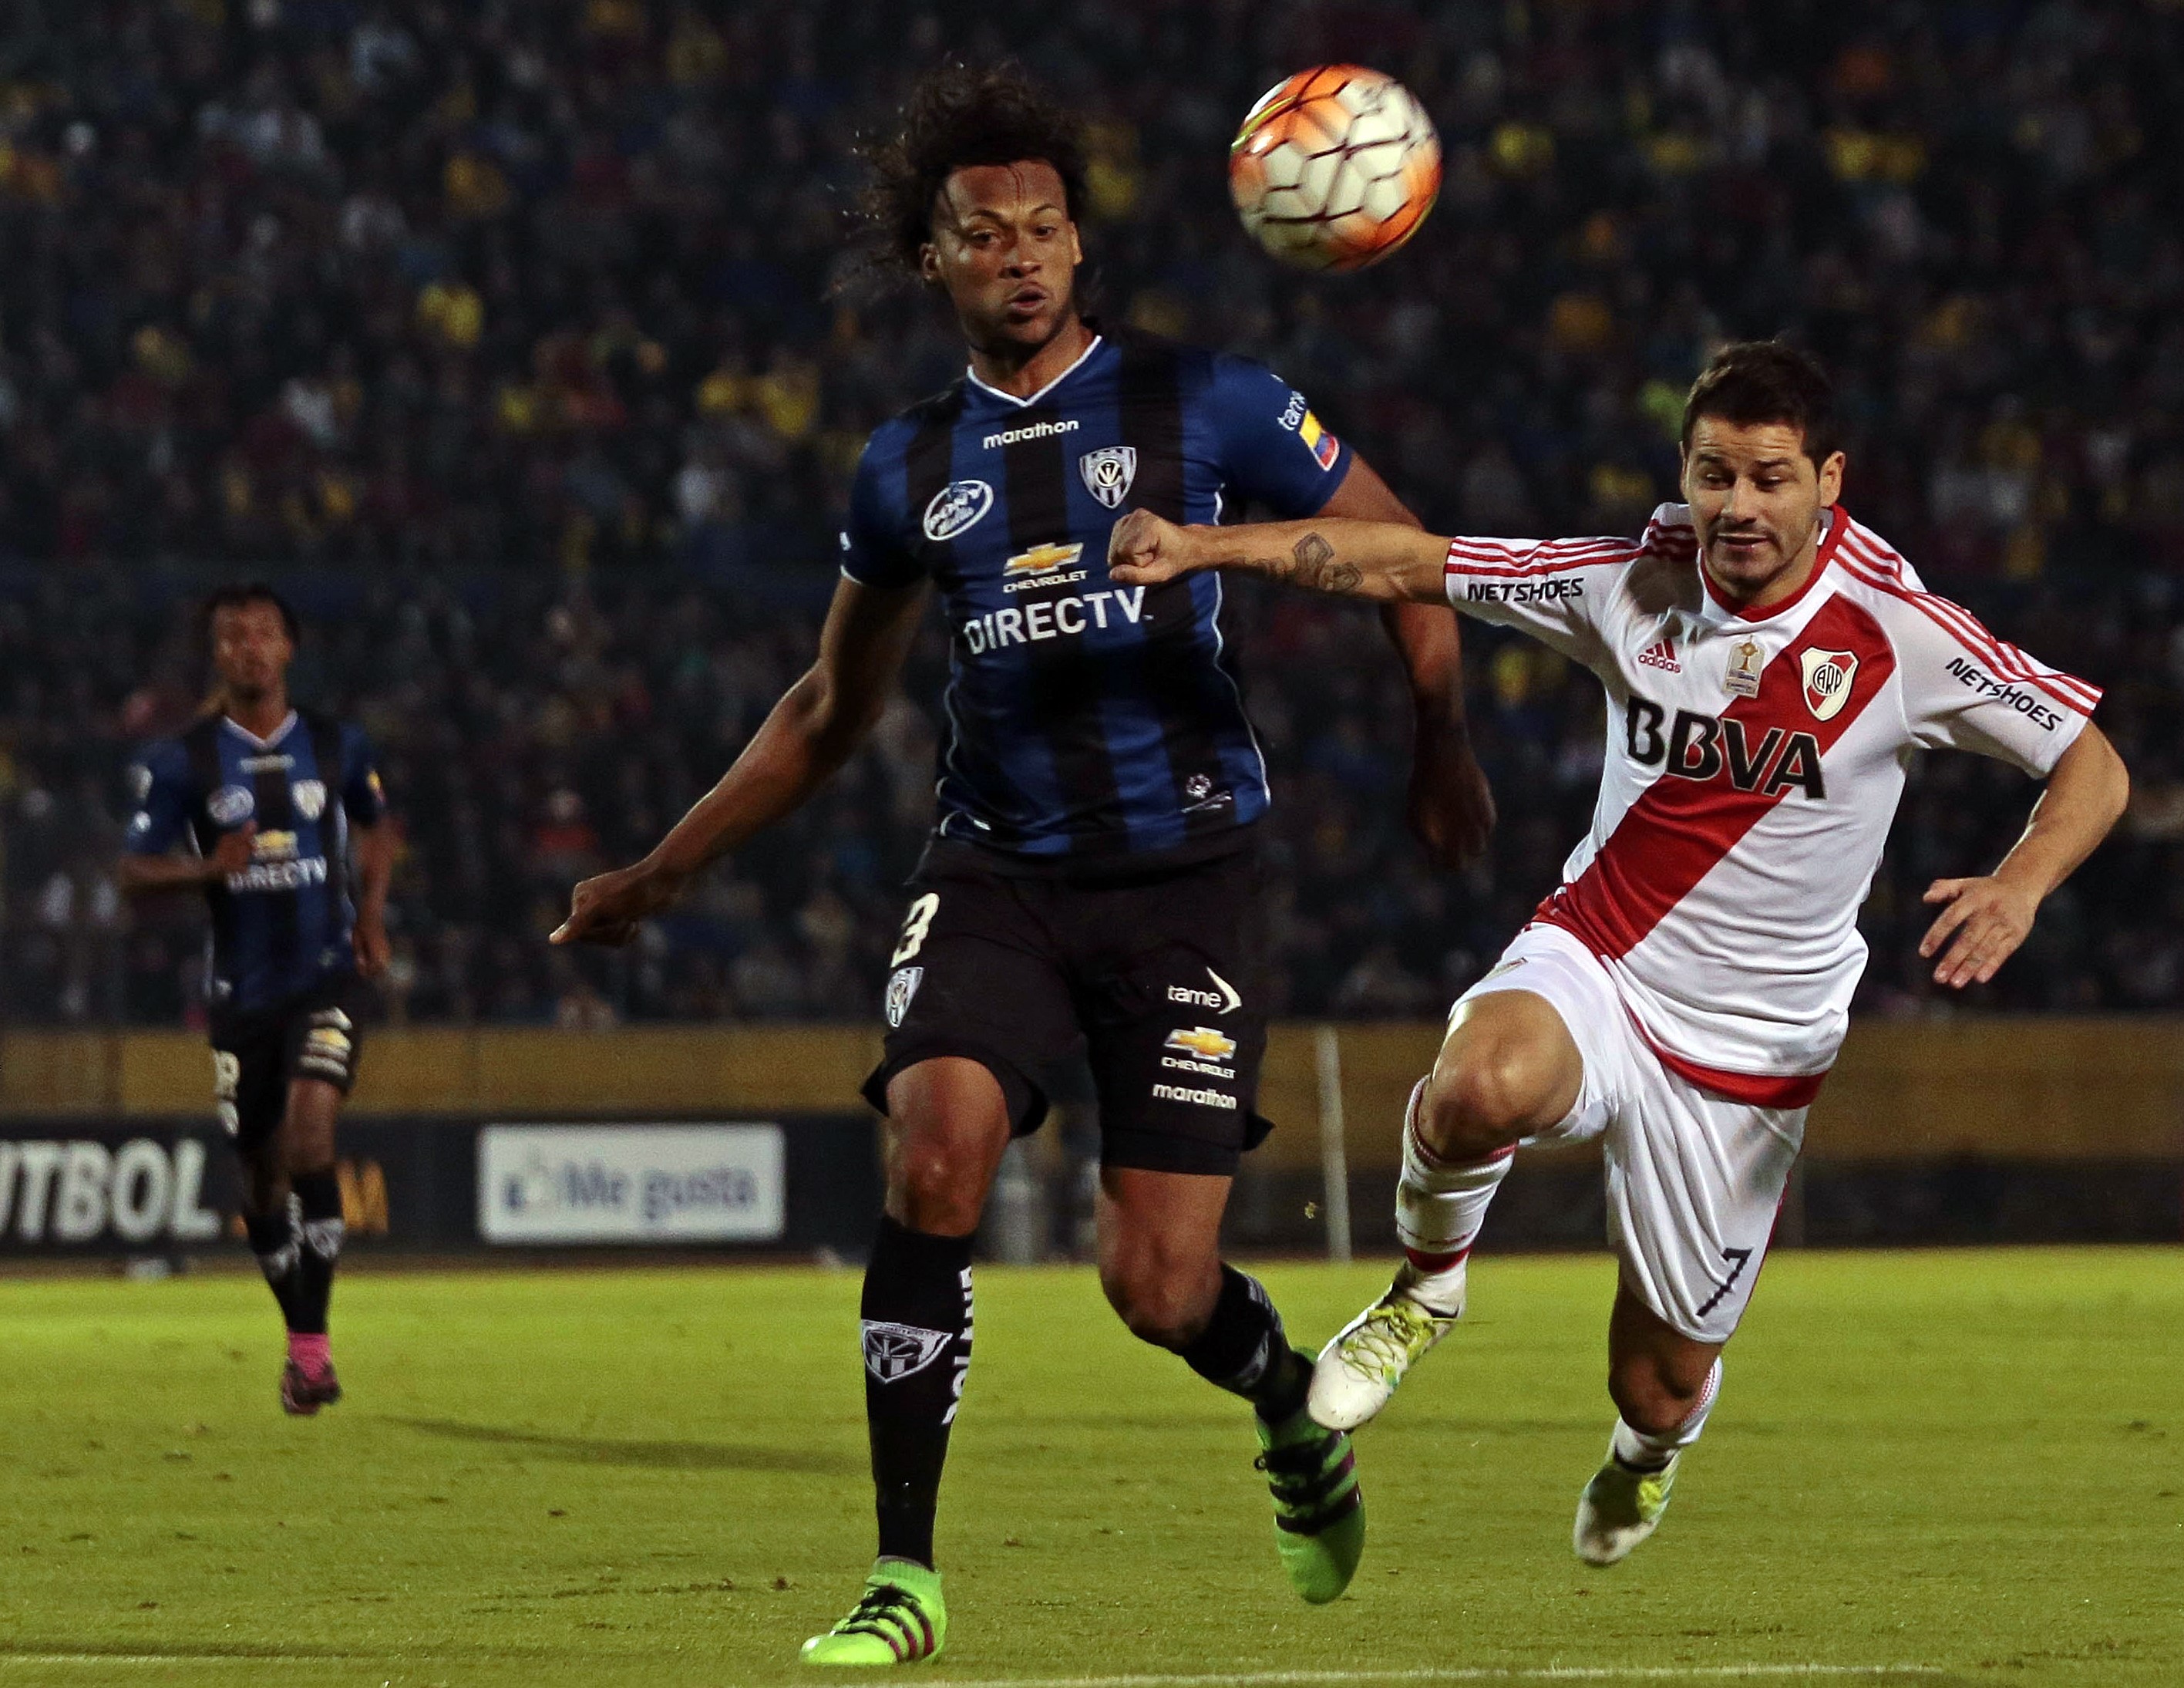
(521, 343)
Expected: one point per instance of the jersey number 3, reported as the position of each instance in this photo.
(914, 926)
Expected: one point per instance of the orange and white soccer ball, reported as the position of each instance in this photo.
(1334, 168)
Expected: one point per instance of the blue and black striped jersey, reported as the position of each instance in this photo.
(1085, 719)
(283, 923)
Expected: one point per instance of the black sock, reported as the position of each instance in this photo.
(318, 1196)
(1245, 1350)
(273, 1240)
(917, 1315)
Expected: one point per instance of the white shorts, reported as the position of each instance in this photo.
(1693, 1179)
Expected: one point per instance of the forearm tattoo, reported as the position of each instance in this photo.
(1311, 564)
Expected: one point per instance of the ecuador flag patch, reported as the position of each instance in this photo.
(1324, 447)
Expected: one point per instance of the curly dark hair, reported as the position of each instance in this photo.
(1767, 381)
(957, 116)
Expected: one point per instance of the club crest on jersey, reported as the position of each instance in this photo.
(230, 804)
(893, 1352)
(309, 797)
(1742, 678)
(1108, 473)
(957, 506)
(1828, 677)
(902, 986)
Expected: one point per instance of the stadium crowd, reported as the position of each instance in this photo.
(523, 345)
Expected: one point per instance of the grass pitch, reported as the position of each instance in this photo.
(1967, 1463)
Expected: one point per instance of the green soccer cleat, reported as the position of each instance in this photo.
(1319, 1515)
(1619, 1508)
(900, 1620)
(1360, 1367)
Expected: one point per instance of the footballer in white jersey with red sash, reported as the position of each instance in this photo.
(1770, 666)
(1754, 762)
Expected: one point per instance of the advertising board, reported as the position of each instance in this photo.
(644, 1183)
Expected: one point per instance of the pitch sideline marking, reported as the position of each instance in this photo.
(8, 1658)
(1264, 1678)
(1431, 1673)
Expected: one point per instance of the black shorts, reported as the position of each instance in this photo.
(318, 1034)
(1159, 976)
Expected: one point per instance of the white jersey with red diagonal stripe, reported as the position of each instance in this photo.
(1753, 767)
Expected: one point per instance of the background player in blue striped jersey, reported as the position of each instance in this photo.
(268, 800)
(1093, 878)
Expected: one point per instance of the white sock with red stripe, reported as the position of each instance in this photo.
(1440, 1206)
(1642, 1452)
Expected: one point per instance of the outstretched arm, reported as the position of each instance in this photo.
(1449, 808)
(1377, 561)
(1983, 920)
(819, 721)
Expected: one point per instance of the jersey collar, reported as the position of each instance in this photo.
(1083, 357)
(252, 739)
(1718, 609)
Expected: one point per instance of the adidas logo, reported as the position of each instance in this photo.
(1660, 654)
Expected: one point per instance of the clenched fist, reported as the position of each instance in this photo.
(1145, 550)
(233, 854)
(606, 908)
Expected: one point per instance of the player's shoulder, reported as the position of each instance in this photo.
(1660, 564)
(168, 757)
(182, 749)
(172, 761)
(888, 447)
(935, 410)
(1938, 641)
(1870, 558)
(1669, 534)
(1192, 367)
(1874, 575)
(324, 727)
(1143, 345)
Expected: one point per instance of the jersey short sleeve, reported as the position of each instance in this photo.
(876, 532)
(1274, 451)
(160, 785)
(1964, 688)
(1557, 590)
(364, 798)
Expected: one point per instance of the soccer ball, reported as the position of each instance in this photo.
(1334, 168)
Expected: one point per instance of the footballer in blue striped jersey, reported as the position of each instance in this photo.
(282, 821)
(1093, 880)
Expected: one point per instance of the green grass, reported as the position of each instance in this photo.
(1969, 1462)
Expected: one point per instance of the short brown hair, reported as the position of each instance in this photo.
(1765, 381)
(956, 117)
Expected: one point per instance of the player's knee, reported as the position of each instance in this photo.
(1653, 1397)
(1160, 1301)
(943, 1141)
(937, 1174)
(1483, 1098)
(933, 1187)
